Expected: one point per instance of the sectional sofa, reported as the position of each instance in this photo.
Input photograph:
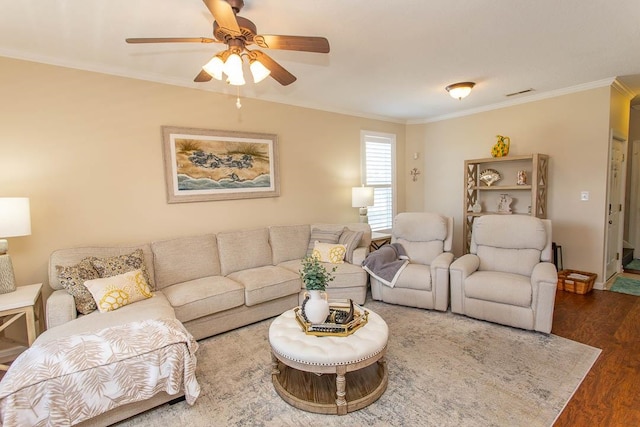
(210, 283)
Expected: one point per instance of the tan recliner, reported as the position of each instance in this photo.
(507, 277)
(424, 282)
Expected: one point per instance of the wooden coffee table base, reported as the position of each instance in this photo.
(336, 390)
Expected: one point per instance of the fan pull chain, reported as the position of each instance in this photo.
(238, 104)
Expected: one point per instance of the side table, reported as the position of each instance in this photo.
(24, 301)
(378, 240)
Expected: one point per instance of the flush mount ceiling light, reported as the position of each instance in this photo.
(460, 90)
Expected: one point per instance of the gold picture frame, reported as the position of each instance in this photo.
(204, 165)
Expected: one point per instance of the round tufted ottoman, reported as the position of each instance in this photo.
(328, 375)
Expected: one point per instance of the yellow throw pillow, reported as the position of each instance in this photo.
(114, 292)
(329, 252)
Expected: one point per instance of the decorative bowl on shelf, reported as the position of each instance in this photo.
(490, 176)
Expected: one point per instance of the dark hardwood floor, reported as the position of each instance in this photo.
(610, 393)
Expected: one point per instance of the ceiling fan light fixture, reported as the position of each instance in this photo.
(215, 67)
(258, 71)
(233, 70)
(460, 90)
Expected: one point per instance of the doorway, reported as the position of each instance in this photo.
(615, 210)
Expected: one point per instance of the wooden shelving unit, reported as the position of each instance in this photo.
(529, 199)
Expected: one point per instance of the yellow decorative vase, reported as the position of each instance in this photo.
(501, 148)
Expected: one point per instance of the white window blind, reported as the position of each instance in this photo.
(378, 167)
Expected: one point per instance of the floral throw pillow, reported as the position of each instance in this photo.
(329, 252)
(114, 292)
(72, 279)
(120, 264)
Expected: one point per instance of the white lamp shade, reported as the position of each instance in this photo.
(259, 71)
(15, 217)
(361, 197)
(214, 67)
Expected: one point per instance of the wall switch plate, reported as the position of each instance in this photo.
(584, 196)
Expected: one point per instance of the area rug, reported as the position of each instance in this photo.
(633, 266)
(626, 285)
(444, 370)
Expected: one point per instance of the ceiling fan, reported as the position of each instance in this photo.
(238, 33)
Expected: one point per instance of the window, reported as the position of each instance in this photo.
(378, 171)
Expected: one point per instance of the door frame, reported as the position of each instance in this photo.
(634, 199)
(613, 135)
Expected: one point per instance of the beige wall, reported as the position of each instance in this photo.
(572, 129)
(86, 148)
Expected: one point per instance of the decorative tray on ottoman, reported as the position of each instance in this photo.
(337, 309)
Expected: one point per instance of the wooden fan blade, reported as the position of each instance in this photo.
(278, 73)
(172, 40)
(300, 43)
(203, 76)
(223, 14)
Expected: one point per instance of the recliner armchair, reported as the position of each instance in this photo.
(508, 276)
(424, 282)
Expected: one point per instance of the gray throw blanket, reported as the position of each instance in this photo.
(386, 263)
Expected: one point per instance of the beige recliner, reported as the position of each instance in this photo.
(507, 277)
(424, 282)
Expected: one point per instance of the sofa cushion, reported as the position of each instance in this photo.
(202, 297)
(323, 235)
(114, 292)
(505, 288)
(266, 283)
(350, 239)
(119, 264)
(509, 231)
(516, 261)
(422, 252)
(184, 259)
(329, 252)
(72, 279)
(420, 226)
(415, 276)
(157, 307)
(289, 242)
(242, 250)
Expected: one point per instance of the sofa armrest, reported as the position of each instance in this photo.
(359, 254)
(440, 280)
(61, 308)
(544, 282)
(459, 270)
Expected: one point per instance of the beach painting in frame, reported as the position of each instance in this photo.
(202, 165)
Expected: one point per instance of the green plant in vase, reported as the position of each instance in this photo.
(316, 278)
(314, 275)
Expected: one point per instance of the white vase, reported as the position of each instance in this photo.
(316, 309)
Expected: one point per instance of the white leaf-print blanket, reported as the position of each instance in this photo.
(75, 378)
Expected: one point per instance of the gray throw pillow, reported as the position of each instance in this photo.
(350, 239)
(322, 236)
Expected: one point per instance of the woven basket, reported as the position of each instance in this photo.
(577, 285)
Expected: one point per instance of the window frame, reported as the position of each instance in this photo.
(380, 137)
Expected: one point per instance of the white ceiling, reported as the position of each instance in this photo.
(388, 59)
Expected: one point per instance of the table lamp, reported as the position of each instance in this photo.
(362, 197)
(15, 221)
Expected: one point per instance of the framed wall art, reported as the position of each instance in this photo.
(202, 165)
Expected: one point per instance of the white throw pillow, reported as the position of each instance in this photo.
(329, 252)
(114, 292)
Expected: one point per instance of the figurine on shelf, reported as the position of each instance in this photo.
(501, 148)
(504, 204)
(522, 178)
